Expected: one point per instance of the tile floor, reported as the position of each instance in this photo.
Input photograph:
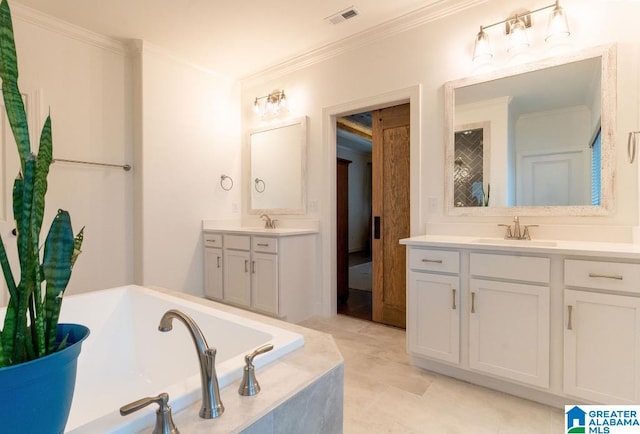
(383, 393)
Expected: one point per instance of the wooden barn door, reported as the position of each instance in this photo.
(390, 204)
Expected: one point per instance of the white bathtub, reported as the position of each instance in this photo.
(126, 358)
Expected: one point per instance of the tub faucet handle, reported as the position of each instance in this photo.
(249, 385)
(164, 421)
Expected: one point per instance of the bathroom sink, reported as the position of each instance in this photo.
(505, 242)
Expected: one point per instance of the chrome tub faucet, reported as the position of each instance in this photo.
(211, 403)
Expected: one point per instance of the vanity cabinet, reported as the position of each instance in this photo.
(213, 266)
(602, 331)
(433, 304)
(250, 275)
(509, 318)
(554, 322)
(271, 274)
(264, 275)
(237, 279)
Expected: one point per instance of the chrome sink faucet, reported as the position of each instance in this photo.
(516, 228)
(211, 403)
(269, 223)
(517, 233)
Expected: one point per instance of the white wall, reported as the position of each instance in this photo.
(83, 79)
(565, 128)
(430, 55)
(188, 137)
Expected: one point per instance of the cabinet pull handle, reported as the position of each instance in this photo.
(246, 266)
(253, 267)
(606, 276)
(434, 261)
(453, 306)
(218, 258)
(263, 245)
(473, 302)
(569, 322)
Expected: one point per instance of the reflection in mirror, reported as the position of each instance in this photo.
(471, 166)
(534, 140)
(278, 160)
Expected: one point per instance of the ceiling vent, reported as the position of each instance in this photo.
(344, 15)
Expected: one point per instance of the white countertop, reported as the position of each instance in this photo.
(278, 232)
(288, 228)
(575, 248)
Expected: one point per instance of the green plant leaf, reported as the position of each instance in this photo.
(14, 104)
(6, 271)
(20, 331)
(22, 205)
(9, 332)
(58, 252)
(77, 246)
(43, 162)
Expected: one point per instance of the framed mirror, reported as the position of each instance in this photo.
(536, 139)
(278, 155)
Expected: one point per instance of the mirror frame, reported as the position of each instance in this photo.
(302, 121)
(608, 125)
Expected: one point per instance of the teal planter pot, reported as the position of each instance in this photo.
(35, 397)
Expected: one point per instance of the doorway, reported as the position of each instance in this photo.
(354, 214)
(372, 191)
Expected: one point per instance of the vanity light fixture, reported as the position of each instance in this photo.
(270, 104)
(516, 28)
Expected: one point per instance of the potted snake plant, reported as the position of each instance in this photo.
(37, 355)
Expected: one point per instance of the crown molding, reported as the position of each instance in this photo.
(56, 25)
(140, 47)
(411, 20)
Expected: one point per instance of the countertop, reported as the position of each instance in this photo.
(560, 247)
(247, 230)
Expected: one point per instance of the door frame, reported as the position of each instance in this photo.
(411, 95)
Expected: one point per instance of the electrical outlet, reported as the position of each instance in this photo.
(313, 206)
(432, 203)
(235, 208)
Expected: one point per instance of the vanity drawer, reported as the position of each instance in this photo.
(444, 261)
(213, 240)
(237, 242)
(615, 276)
(264, 244)
(510, 267)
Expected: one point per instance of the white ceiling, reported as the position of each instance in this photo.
(235, 38)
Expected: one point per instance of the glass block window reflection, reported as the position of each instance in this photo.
(596, 169)
(468, 163)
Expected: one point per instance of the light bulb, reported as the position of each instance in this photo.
(518, 36)
(284, 103)
(558, 26)
(482, 48)
(257, 108)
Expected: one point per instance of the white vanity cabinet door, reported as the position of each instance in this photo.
(213, 273)
(434, 316)
(509, 330)
(264, 282)
(237, 277)
(602, 347)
